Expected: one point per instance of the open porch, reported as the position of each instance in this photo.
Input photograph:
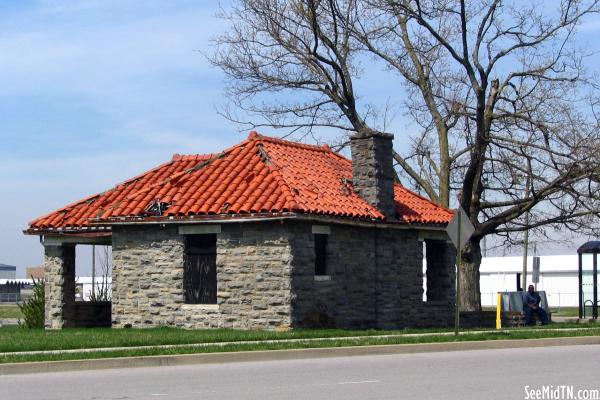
(61, 308)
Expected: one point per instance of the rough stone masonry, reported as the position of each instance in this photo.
(59, 279)
(373, 169)
(253, 279)
(266, 279)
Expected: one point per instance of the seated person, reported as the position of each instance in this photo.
(531, 305)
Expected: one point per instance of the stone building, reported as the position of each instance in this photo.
(268, 234)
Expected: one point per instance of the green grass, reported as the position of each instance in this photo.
(368, 340)
(10, 311)
(566, 312)
(14, 339)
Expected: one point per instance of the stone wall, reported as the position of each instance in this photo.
(345, 297)
(59, 278)
(147, 275)
(254, 264)
(253, 278)
(266, 280)
(375, 280)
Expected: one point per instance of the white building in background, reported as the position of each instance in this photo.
(83, 285)
(8, 271)
(559, 277)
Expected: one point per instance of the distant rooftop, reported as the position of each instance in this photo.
(6, 267)
(590, 247)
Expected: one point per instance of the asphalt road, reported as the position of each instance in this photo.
(481, 374)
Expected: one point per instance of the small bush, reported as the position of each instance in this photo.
(33, 308)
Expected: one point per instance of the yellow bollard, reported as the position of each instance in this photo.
(499, 311)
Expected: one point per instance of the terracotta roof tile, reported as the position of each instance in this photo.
(260, 175)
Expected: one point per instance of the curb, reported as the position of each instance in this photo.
(281, 355)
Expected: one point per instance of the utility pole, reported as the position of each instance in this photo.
(534, 256)
(525, 239)
(93, 271)
(525, 248)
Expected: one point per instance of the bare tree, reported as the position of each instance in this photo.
(499, 89)
(102, 289)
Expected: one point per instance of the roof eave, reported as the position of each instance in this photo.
(237, 218)
(70, 230)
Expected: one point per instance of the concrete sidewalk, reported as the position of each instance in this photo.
(9, 321)
(273, 355)
(573, 320)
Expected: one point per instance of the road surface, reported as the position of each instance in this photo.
(481, 374)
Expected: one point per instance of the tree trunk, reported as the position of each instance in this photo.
(470, 295)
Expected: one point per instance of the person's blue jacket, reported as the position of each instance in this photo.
(531, 298)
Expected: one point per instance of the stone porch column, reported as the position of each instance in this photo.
(59, 267)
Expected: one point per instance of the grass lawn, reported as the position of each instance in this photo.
(10, 311)
(15, 339)
(566, 312)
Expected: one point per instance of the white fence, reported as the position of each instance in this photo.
(556, 300)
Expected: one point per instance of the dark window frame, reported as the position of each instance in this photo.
(200, 270)
(320, 241)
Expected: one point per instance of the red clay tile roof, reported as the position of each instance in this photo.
(261, 175)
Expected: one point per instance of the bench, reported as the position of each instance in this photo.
(512, 309)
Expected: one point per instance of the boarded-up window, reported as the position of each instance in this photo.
(320, 254)
(200, 274)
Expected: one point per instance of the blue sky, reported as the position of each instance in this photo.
(93, 92)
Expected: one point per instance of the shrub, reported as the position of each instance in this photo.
(33, 308)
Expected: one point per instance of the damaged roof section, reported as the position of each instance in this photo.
(260, 175)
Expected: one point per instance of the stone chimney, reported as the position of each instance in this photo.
(373, 169)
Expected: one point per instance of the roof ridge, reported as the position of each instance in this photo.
(177, 175)
(422, 197)
(99, 194)
(275, 169)
(258, 136)
(65, 208)
(180, 157)
(185, 174)
(118, 185)
(190, 157)
(325, 148)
